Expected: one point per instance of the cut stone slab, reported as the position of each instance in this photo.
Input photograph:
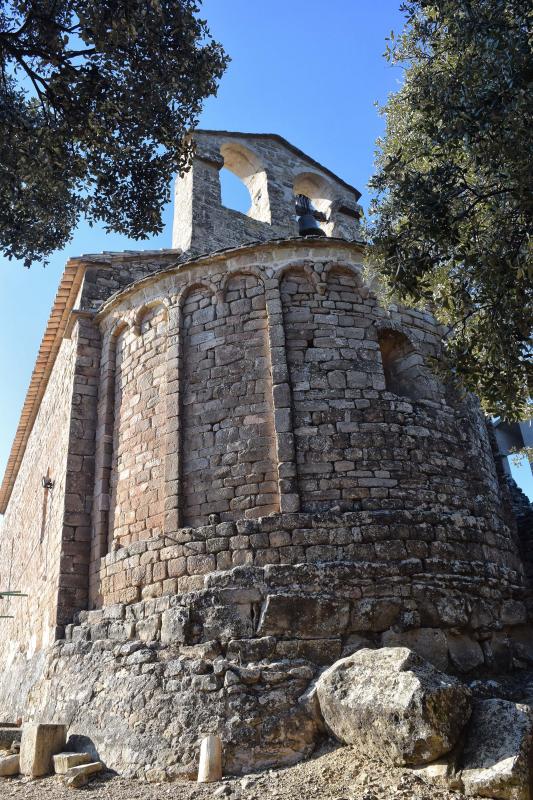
(78, 776)
(498, 751)
(38, 745)
(9, 765)
(8, 735)
(394, 705)
(64, 761)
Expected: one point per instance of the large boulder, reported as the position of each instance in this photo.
(498, 756)
(393, 705)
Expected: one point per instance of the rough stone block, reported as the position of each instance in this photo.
(465, 653)
(498, 752)
(9, 766)
(304, 616)
(76, 777)
(393, 705)
(442, 772)
(429, 643)
(175, 624)
(39, 744)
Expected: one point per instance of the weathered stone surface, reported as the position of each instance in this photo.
(465, 653)
(442, 772)
(256, 423)
(9, 765)
(307, 617)
(64, 761)
(175, 626)
(429, 643)
(394, 705)
(39, 744)
(80, 775)
(498, 755)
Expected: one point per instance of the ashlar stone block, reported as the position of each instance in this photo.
(39, 744)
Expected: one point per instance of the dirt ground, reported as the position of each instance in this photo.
(333, 773)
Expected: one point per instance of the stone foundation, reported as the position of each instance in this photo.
(142, 684)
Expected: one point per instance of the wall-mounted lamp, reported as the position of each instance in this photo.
(47, 483)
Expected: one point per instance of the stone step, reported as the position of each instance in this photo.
(65, 761)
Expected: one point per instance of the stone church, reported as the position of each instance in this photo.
(233, 466)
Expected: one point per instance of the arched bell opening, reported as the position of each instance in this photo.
(248, 168)
(313, 197)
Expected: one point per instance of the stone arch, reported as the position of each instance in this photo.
(300, 269)
(394, 326)
(196, 285)
(404, 368)
(343, 284)
(116, 329)
(338, 268)
(247, 166)
(149, 309)
(241, 271)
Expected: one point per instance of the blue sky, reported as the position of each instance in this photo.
(308, 70)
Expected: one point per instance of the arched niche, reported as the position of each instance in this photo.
(136, 407)
(247, 166)
(343, 283)
(251, 271)
(406, 374)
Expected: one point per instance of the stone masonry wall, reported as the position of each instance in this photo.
(229, 459)
(46, 533)
(390, 551)
(139, 411)
(333, 438)
(283, 405)
(258, 502)
(73, 583)
(32, 530)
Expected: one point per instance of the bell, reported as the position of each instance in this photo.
(307, 224)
